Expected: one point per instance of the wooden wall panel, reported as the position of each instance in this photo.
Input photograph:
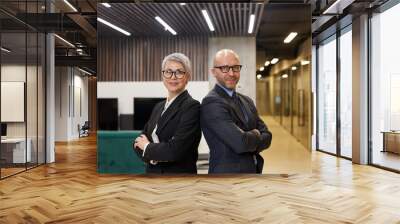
(92, 99)
(139, 59)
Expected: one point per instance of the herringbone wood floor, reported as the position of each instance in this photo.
(70, 191)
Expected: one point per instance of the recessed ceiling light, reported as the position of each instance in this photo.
(251, 23)
(259, 76)
(113, 26)
(290, 37)
(106, 5)
(284, 76)
(208, 20)
(304, 62)
(166, 26)
(70, 5)
(262, 68)
(274, 61)
(64, 40)
(294, 68)
(267, 63)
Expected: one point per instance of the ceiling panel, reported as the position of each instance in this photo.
(229, 19)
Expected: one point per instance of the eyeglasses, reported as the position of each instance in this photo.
(169, 73)
(226, 68)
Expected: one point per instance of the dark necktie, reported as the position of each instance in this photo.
(237, 101)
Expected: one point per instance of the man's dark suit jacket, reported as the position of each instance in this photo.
(179, 133)
(230, 138)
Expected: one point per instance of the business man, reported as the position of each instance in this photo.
(232, 128)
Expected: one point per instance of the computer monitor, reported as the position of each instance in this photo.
(3, 129)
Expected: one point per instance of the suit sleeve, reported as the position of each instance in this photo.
(185, 136)
(145, 131)
(266, 136)
(215, 117)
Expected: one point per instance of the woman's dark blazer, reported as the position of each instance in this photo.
(179, 133)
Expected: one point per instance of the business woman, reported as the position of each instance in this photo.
(169, 141)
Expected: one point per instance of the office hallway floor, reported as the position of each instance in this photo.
(70, 191)
(286, 154)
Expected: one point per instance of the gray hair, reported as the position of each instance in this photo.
(180, 58)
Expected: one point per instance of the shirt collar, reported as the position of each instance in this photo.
(169, 102)
(228, 91)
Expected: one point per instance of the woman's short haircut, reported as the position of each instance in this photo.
(180, 58)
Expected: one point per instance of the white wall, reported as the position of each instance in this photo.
(245, 47)
(68, 83)
(126, 91)
(17, 73)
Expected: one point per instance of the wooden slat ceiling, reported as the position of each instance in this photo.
(229, 19)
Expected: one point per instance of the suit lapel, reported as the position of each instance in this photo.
(232, 104)
(171, 111)
(157, 115)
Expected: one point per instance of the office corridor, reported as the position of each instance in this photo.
(286, 154)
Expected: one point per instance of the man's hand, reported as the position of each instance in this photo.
(141, 141)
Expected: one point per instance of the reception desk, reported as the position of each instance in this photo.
(115, 154)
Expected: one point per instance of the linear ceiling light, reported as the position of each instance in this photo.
(182, 3)
(274, 61)
(5, 50)
(64, 40)
(331, 7)
(113, 26)
(251, 23)
(106, 5)
(290, 37)
(267, 63)
(70, 5)
(166, 26)
(84, 71)
(208, 20)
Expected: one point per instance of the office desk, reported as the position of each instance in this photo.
(13, 150)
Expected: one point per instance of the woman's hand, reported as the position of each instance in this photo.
(141, 141)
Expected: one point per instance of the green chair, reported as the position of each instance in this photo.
(115, 154)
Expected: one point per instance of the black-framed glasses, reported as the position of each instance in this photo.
(169, 73)
(226, 68)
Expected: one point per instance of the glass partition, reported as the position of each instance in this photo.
(346, 93)
(327, 96)
(22, 91)
(385, 89)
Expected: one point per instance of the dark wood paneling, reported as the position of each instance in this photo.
(139, 59)
(92, 83)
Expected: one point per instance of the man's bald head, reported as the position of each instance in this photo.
(227, 68)
(223, 54)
